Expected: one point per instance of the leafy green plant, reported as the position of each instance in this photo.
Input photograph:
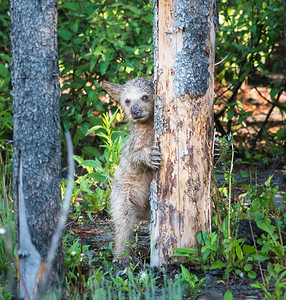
(192, 280)
(6, 123)
(230, 255)
(74, 259)
(221, 250)
(134, 247)
(228, 295)
(238, 260)
(7, 225)
(74, 255)
(111, 138)
(262, 207)
(104, 254)
(8, 253)
(276, 277)
(94, 186)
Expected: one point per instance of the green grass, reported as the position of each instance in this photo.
(7, 228)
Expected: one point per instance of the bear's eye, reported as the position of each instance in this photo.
(144, 98)
(127, 102)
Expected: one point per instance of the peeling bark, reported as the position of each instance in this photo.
(184, 36)
(36, 156)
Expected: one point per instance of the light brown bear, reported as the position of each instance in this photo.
(132, 178)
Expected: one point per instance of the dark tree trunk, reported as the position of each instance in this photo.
(36, 154)
(181, 192)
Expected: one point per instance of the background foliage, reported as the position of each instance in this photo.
(107, 40)
(250, 43)
(113, 40)
(6, 123)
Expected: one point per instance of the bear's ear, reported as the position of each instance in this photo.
(113, 89)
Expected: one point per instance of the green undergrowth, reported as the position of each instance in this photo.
(247, 242)
(93, 181)
(133, 284)
(7, 228)
(261, 263)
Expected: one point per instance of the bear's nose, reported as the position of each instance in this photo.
(136, 112)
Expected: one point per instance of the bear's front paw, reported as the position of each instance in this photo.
(155, 157)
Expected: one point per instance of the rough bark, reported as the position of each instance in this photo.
(36, 153)
(181, 198)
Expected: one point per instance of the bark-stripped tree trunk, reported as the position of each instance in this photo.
(36, 156)
(181, 192)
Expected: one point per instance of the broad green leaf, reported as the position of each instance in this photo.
(93, 62)
(98, 177)
(239, 252)
(103, 67)
(217, 265)
(244, 174)
(91, 163)
(186, 250)
(261, 256)
(185, 274)
(78, 41)
(78, 159)
(71, 6)
(247, 267)
(92, 95)
(228, 295)
(273, 93)
(79, 118)
(75, 25)
(65, 34)
(5, 57)
(3, 70)
(230, 113)
(265, 225)
(201, 281)
(98, 105)
(256, 285)
(252, 275)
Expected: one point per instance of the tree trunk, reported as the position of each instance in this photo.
(36, 153)
(181, 192)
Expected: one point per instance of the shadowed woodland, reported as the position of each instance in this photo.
(113, 41)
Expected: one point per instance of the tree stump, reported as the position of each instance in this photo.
(181, 191)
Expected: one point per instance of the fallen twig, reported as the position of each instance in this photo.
(71, 222)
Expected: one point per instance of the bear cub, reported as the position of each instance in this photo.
(132, 178)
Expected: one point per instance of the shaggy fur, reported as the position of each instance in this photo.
(132, 178)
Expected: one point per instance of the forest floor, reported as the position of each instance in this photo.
(98, 234)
